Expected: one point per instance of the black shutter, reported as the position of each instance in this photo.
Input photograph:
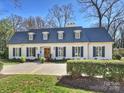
(64, 51)
(82, 51)
(13, 52)
(27, 51)
(63, 35)
(73, 54)
(19, 51)
(48, 35)
(94, 51)
(56, 51)
(103, 51)
(34, 52)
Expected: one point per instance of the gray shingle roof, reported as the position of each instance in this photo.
(87, 35)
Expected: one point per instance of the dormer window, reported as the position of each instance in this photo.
(31, 35)
(45, 35)
(77, 34)
(60, 34)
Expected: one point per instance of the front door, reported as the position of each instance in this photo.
(47, 52)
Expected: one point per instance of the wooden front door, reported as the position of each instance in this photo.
(47, 52)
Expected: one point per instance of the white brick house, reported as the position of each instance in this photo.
(61, 43)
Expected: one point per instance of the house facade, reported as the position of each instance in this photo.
(61, 43)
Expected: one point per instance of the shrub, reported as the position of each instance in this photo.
(58, 61)
(4, 54)
(42, 59)
(23, 59)
(1, 66)
(117, 57)
(109, 69)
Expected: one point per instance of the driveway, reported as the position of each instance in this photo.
(35, 68)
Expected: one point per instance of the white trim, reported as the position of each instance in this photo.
(45, 32)
(77, 31)
(60, 31)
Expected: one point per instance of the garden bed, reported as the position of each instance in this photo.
(94, 84)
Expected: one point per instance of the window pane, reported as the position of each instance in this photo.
(77, 35)
(60, 51)
(77, 51)
(45, 36)
(99, 51)
(17, 52)
(31, 52)
(30, 37)
(60, 35)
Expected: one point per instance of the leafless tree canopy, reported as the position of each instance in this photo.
(61, 15)
(110, 13)
(17, 3)
(98, 8)
(17, 22)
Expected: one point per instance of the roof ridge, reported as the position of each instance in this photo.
(50, 28)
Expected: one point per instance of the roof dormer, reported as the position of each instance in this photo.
(60, 34)
(77, 34)
(31, 35)
(45, 35)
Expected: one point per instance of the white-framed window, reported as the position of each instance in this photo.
(31, 51)
(99, 51)
(60, 51)
(45, 35)
(77, 34)
(77, 51)
(31, 35)
(60, 34)
(16, 52)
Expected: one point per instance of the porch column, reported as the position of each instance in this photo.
(53, 52)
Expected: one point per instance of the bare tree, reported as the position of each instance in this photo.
(61, 15)
(34, 22)
(40, 22)
(98, 8)
(17, 22)
(30, 22)
(17, 3)
(115, 27)
(50, 22)
(114, 14)
(67, 13)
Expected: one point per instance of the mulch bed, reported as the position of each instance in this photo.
(94, 84)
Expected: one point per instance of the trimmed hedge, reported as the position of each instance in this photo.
(1, 66)
(109, 69)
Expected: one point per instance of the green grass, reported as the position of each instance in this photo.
(8, 62)
(34, 84)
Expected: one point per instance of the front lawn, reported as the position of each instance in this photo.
(8, 62)
(34, 84)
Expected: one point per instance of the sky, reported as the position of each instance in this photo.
(40, 8)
